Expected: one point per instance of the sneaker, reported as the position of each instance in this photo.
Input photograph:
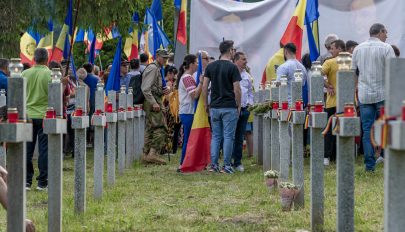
(42, 188)
(27, 187)
(240, 168)
(379, 160)
(227, 169)
(326, 161)
(213, 168)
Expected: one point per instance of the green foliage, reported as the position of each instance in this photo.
(17, 16)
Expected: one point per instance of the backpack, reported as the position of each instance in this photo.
(136, 83)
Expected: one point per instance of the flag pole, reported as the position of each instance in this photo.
(71, 39)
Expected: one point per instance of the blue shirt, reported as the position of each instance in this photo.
(91, 81)
(3, 81)
(124, 80)
(288, 69)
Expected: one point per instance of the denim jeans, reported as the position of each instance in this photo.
(223, 123)
(43, 154)
(368, 114)
(239, 133)
(187, 122)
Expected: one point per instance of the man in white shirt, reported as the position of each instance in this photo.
(240, 60)
(369, 62)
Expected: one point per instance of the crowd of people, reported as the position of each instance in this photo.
(226, 87)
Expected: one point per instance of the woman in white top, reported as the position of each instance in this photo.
(189, 91)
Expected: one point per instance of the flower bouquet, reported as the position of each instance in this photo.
(288, 191)
(271, 179)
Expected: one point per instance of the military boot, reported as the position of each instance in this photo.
(152, 157)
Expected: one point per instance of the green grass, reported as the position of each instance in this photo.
(160, 199)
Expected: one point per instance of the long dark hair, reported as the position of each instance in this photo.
(188, 59)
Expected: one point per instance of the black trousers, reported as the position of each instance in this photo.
(330, 140)
(37, 131)
(175, 141)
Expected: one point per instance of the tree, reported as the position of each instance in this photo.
(17, 16)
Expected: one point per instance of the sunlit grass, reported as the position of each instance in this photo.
(157, 198)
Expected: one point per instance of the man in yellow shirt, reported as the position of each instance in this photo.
(329, 69)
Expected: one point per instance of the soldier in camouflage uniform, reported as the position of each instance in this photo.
(156, 127)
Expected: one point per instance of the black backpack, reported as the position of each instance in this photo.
(136, 83)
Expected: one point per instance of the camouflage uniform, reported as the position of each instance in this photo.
(156, 127)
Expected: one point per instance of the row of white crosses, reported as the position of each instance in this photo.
(16, 132)
(346, 126)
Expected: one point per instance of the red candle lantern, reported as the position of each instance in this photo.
(98, 112)
(275, 105)
(79, 111)
(299, 105)
(12, 115)
(403, 111)
(121, 109)
(137, 107)
(50, 112)
(318, 108)
(382, 111)
(129, 109)
(109, 107)
(349, 110)
(284, 105)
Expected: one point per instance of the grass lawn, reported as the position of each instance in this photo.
(157, 198)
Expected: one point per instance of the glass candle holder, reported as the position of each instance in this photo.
(121, 109)
(15, 67)
(130, 90)
(129, 109)
(79, 111)
(56, 75)
(267, 85)
(137, 107)
(284, 105)
(349, 110)
(50, 112)
(298, 75)
(299, 105)
(123, 89)
(12, 115)
(318, 107)
(2, 92)
(283, 80)
(275, 106)
(344, 61)
(109, 107)
(316, 68)
(100, 86)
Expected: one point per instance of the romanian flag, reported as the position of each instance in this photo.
(28, 43)
(65, 36)
(113, 81)
(47, 40)
(199, 143)
(294, 31)
(131, 43)
(182, 23)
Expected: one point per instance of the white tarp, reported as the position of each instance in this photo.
(257, 28)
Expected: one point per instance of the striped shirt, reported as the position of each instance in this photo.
(369, 57)
(247, 89)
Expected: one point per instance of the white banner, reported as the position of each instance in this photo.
(257, 28)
